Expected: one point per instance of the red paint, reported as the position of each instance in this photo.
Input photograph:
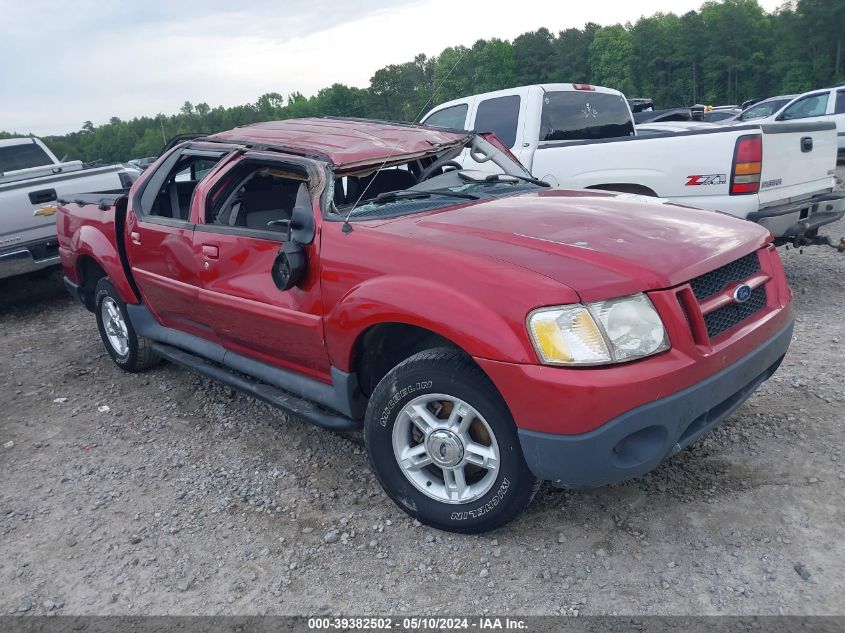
(88, 232)
(471, 273)
(248, 314)
(164, 268)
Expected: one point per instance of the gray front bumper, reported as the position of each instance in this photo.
(636, 442)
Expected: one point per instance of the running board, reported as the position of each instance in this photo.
(269, 394)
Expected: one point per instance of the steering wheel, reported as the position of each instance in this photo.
(431, 168)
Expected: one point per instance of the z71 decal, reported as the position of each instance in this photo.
(706, 179)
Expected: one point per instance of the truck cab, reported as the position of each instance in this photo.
(525, 118)
(583, 136)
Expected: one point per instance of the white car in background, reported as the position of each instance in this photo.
(827, 104)
(761, 109)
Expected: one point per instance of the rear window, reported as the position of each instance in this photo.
(584, 116)
(500, 116)
(840, 102)
(23, 156)
(453, 117)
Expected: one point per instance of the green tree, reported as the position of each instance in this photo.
(494, 65)
(571, 55)
(534, 57)
(270, 104)
(610, 58)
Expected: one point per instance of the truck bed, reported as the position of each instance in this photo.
(100, 214)
(694, 167)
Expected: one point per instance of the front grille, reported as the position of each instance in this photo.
(715, 281)
(725, 318)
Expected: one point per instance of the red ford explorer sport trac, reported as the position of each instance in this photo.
(485, 331)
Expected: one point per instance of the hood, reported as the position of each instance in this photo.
(600, 244)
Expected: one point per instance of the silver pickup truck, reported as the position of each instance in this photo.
(33, 179)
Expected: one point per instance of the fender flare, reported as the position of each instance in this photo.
(89, 241)
(471, 325)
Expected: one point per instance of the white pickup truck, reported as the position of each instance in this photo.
(581, 136)
(32, 178)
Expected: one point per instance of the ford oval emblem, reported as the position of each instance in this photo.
(742, 293)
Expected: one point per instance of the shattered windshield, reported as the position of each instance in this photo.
(473, 171)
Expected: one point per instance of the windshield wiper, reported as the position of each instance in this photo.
(405, 194)
(533, 181)
(479, 177)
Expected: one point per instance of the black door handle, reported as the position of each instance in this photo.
(807, 144)
(42, 196)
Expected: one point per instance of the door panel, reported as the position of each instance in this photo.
(238, 299)
(164, 267)
(249, 314)
(159, 238)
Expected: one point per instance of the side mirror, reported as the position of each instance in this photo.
(289, 266)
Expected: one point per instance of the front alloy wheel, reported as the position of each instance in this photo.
(444, 446)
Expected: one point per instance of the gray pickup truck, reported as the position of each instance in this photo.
(32, 179)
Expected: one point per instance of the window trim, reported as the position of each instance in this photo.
(225, 229)
(840, 94)
(242, 231)
(157, 179)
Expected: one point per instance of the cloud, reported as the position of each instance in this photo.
(65, 63)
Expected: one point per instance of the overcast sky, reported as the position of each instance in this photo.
(62, 63)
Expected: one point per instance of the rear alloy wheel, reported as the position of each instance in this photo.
(115, 326)
(128, 350)
(444, 446)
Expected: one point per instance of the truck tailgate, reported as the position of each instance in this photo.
(793, 166)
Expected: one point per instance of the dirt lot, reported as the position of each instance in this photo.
(166, 494)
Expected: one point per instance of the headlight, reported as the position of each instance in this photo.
(598, 333)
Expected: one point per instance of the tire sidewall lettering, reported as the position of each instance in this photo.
(485, 508)
(456, 514)
(398, 396)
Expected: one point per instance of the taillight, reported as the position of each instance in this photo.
(583, 87)
(747, 165)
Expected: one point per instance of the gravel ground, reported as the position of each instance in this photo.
(164, 493)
